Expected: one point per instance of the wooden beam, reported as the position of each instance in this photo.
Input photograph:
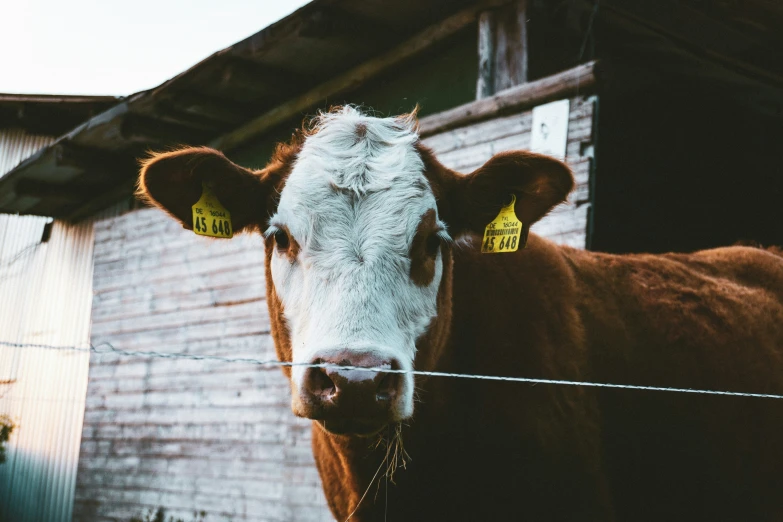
(136, 128)
(101, 200)
(255, 81)
(337, 24)
(511, 45)
(69, 154)
(58, 98)
(352, 79)
(578, 80)
(46, 190)
(502, 48)
(190, 103)
(485, 85)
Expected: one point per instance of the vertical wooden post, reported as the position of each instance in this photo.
(502, 48)
(485, 86)
(511, 45)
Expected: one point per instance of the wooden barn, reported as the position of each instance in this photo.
(669, 114)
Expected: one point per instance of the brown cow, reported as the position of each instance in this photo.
(374, 259)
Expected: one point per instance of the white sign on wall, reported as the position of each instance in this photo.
(550, 128)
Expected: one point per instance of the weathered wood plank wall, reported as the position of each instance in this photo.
(188, 435)
(195, 435)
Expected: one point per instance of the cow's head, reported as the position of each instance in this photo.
(360, 221)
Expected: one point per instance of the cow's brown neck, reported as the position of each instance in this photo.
(442, 431)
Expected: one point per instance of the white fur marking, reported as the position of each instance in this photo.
(353, 202)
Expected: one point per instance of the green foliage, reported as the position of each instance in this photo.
(159, 515)
(6, 428)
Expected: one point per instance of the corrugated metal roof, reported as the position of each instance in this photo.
(17, 145)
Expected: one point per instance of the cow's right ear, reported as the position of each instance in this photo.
(173, 181)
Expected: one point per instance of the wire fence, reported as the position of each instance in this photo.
(108, 348)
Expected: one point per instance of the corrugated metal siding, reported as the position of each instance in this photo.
(467, 148)
(16, 145)
(45, 298)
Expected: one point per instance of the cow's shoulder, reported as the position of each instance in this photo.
(743, 265)
(728, 271)
(708, 308)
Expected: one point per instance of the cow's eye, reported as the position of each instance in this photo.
(433, 245)
(281, 240)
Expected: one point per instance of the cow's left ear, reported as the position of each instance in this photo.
(173, 181)
(539, 183)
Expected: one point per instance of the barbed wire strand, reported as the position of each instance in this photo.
(105, 348)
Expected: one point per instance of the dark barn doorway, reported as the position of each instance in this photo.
(681, 170)
(690, 126)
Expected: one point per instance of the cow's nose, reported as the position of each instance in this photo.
(352, 392)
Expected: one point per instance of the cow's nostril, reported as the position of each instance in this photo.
(352, 384)
(387, 388)
(320, 385)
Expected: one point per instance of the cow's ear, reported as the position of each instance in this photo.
(539, 183)
(173, 181)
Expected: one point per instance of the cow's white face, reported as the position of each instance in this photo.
(347, 218)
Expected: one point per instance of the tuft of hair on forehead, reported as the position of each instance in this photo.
(361, 153)
(348, 113)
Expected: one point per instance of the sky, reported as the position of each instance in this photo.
(119, 47)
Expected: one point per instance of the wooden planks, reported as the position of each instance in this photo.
(188, 435)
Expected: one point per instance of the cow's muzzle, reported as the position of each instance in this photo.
(351, 400)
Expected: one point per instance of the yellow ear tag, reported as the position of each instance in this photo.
(502, 233)
(210, 218)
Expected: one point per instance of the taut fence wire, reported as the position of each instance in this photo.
(108, 348)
